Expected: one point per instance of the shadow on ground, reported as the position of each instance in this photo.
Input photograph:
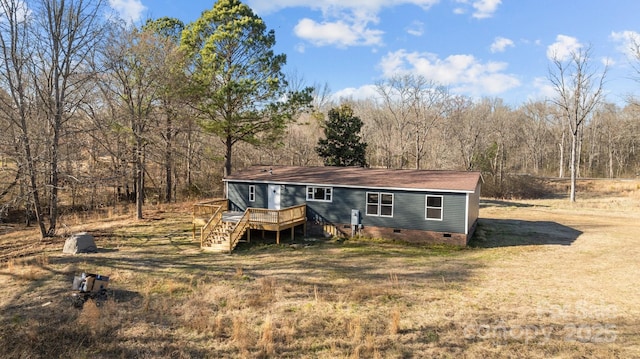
(498, 203)
(492, 233)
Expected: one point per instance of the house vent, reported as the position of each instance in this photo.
(397, 230)
(447, 235)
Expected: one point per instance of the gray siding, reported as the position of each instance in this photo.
(408, 207)
(474, 207)
(238, 195)
(292, 196)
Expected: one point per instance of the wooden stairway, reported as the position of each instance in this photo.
(217, 239)
(223, 232)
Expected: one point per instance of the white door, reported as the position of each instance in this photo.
(274, 196)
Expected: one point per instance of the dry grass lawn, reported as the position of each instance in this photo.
(542, 278)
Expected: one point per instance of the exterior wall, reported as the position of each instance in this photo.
(238, 195)
(408, 210)
(474, 211)
(408, 207)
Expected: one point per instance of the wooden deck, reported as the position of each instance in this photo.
(221, 230)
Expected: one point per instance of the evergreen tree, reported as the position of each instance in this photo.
(342, 145)
(236, 81)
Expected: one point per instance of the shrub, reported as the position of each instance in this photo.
(515, 187)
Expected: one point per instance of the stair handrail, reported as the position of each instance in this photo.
(239, 229)
(210, 226)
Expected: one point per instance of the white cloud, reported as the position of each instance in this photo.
(482, 9)
(485, 8)
(500, 44)
(607, 61)
(344, 22)
(416, 28)
(300, 48)
(628, 42)
(563, 48)
(338, 33)
(352, 93)
(459, 11)
(462, 73)
(328, 6)
(545, 89)
(129, 10)
(350, 22)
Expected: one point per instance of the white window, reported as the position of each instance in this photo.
(433, 208)
(379, 204)
(252, 193)
(319, 194)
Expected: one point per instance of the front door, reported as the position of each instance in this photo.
(274, 196)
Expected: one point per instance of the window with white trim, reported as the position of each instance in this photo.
(433, 208)
(252, 193)
(379, 204)
(319, 194)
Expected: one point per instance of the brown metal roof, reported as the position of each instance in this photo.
(456, 181)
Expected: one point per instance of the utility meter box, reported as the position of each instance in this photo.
(355, 217)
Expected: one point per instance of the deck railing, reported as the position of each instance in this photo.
(209, 228)
(292, 214)
(239, 229)
(206, 209)
(278, 216)
(205, 215)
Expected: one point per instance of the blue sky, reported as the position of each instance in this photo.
(477, 48)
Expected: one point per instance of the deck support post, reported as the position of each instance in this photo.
(278, 236)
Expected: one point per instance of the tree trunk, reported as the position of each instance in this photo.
(573, 167)
(167, 160)
(227, 156)
(189, 156)
(35, 194)
(561, 147)
(578, 156)
(139, 178)
(54, 179)
(610, 163)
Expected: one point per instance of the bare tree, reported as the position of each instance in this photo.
(167, 32)
(536, 121)
(68, 34)
(135, 84)
(429, 106)
(17, 49)
(466, 127)
(395, 119)
(579, 89)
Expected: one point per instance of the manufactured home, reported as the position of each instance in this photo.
(412, 205)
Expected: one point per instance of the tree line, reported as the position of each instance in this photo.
(96, 112)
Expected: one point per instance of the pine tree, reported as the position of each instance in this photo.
(240, 90)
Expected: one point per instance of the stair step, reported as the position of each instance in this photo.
(217, 238)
